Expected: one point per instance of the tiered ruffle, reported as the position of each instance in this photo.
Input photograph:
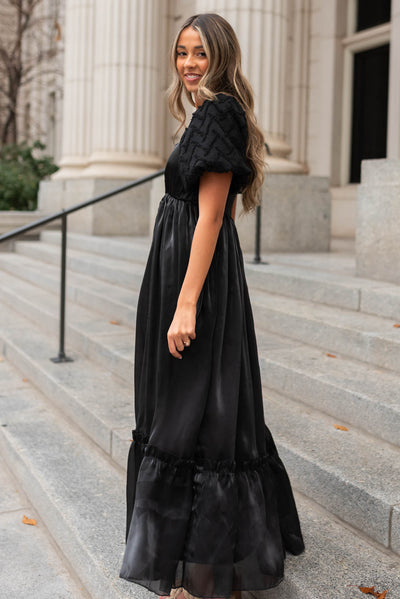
(207, 526)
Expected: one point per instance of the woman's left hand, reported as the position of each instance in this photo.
(182, 330)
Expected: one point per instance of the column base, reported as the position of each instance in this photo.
(125, 214)
(70, 168)
(378, 217)
(277, 164)
(121, 165)
(108, 165)
(295, 215)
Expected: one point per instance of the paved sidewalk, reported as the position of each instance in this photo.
(30, 565)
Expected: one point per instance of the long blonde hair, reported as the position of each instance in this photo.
(224, 74)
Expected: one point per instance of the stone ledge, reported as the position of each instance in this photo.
(11, 219)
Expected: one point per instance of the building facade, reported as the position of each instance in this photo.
(325, 73)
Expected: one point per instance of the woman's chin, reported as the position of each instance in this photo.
(191, 87)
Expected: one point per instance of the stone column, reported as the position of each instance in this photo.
(377, 234)
(130, 59)
(77, 105)
(300, 53)
(115, 71)
(262, 31)
(393, 144)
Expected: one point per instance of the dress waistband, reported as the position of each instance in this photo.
(194, 200)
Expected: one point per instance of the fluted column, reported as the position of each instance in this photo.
(129, 66)
(261, 27)
(77, 105)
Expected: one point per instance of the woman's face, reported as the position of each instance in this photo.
(191, 59)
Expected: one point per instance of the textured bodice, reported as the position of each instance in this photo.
(215, 141)
(175, 185)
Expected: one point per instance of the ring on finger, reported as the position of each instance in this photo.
(186, 343)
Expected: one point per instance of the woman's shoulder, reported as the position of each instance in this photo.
(222, 104)
(222, 116)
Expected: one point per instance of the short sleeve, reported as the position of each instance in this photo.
(216, 141)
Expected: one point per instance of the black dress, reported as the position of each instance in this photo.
(210, 507)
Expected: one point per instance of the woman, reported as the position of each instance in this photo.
(210, 507)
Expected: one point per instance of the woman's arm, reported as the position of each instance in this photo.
(213, 191)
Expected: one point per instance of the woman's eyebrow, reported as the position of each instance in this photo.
(196, 47)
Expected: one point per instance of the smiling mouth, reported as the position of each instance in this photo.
(192, 76)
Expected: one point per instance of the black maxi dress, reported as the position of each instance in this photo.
(210, 506)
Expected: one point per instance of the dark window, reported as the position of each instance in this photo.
(372, 12)
(370, 107)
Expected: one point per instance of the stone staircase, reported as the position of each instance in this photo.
(329, 354)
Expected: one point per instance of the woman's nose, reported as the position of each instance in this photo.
(189, 60)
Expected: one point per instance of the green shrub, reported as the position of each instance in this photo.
(20, 174)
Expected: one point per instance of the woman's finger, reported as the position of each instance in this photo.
(172, 347)
(180, 346)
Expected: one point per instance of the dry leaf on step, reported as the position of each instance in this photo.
(30, 521)
(340, 427)
(331, 355)
(371, 591)
(114, 322)
(397, 325)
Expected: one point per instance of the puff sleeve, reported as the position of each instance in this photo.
(216, 141)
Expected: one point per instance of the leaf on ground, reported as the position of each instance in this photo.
(25, 380)
(397, 325)
(371, 591)
(114, 322)
(30, 521)
(331, 355)
(1, 359)
(340, 427)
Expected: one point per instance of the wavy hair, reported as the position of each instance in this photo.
(224, 74)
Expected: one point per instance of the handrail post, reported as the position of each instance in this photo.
(61, 351)
(257, 240)
(257, 249)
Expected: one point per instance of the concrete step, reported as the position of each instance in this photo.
(324, 287)
(118, 303)
(360, 336)
(77, 492)
(335, 563)
(366, 397)
(363, 337)
(98, 403)
(110, 345)
(29, 559)
(79, 496)
(102, 407)
(321, 278)
(350, 473)
(123, 248)
(116, 271)
(361, 395)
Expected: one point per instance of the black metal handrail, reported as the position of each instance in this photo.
(63, 214)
